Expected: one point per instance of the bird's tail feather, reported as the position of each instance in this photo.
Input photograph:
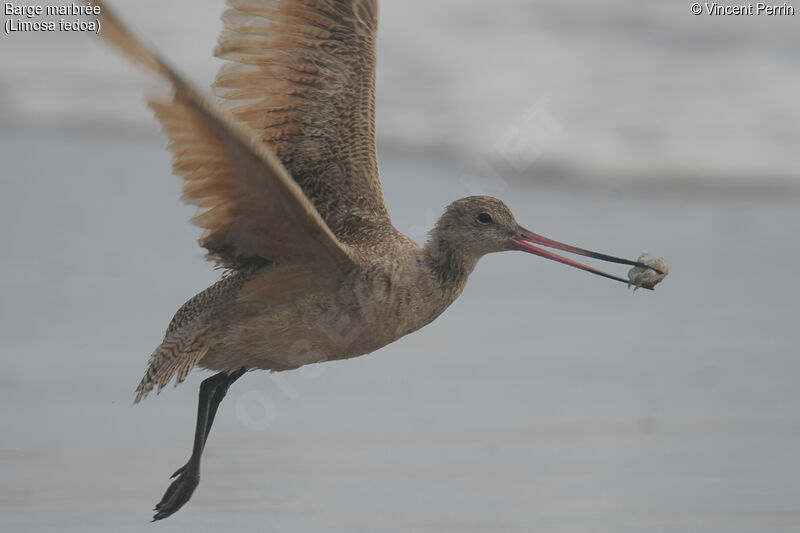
(176, 356)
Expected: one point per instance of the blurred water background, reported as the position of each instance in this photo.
(545, 399)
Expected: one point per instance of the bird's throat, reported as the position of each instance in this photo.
(449, 265)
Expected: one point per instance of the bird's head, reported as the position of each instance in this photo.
(478, 225)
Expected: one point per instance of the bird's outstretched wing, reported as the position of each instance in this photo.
(249, 206)
(302, 74)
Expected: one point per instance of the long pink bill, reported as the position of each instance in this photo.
(524, 240)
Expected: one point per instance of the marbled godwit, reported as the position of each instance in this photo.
(286, 179)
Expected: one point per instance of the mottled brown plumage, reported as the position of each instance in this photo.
(302, 75)
(285, 177)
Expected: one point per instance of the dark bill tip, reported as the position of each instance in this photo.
(525, 239)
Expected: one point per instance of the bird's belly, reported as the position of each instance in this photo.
(315, 330)
(358, 317)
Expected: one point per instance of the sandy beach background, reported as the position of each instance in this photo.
(545, 399)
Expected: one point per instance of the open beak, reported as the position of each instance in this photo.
(524, 240)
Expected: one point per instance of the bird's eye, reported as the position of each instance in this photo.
(484, 218)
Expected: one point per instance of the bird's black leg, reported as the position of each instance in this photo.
(212, 391)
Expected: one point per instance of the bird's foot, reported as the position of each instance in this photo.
(179, 492)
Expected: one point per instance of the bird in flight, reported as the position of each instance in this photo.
(283, 171)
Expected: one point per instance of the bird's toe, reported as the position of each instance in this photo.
(179, 471)
(178, 493)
